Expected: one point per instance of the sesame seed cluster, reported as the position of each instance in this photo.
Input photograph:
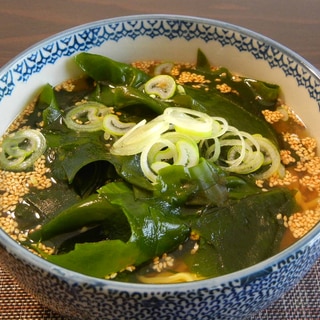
(115, 274)
(302, 173)
(15, 185)
(145, 66)
(166, 261)
(189, 77)
(10, 226)
(272, 116)
(68, 86)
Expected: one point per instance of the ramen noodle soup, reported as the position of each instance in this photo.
(158, 172)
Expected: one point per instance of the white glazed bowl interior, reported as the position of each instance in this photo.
(174, 38)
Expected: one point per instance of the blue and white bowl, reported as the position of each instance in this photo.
(236, 295)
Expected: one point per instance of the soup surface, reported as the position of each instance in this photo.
(158, 172)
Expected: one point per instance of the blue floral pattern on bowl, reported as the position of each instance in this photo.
(235, 298)
(95, 35)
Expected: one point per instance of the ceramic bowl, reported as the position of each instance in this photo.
(236, 295)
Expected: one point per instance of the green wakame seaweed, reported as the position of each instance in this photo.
(137, 220)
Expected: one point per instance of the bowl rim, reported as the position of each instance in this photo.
(289, 52)
(28, 257)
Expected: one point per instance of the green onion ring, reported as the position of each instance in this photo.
(87, 116)
(113, 126)
(21, 149)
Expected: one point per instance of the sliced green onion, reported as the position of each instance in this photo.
(232, 138)
(157, 166)
(213, 151)
(281, 171)
(156, 156)
(186, 149)
(163, 150)
(138, 137)
(284, 112)
(21, 149)
(188, 153)
(248, 165)
(271, 152)
(219, 126)
(245, 153)
(172, 148)
(180, 89)
(86, 117)
(162, 86)
(250, 149)
(163, 68)
(177, 136)
(113, 126)
(190, 122)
